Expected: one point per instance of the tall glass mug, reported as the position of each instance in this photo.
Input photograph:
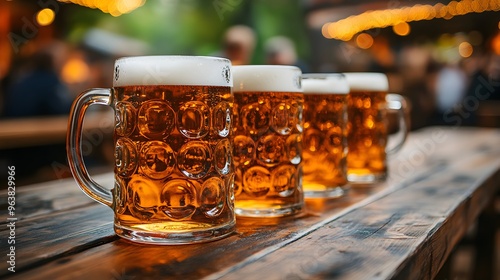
(368, 104)
(325, 135)
(267, 147)
(172, 136)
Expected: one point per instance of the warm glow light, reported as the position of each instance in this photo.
(364, 41)
(495, 44)
(126, 6)
(324, 31)
(346, 28)
(75, 71)
(45, 17)
(113, 7)
(465, 49)
(401, 29)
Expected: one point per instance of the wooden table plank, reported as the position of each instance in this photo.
(41, 240)
(44, 198)
(408, 211)
(404, 235)
(319, 211)
(56, 236)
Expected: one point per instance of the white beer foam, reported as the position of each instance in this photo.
(172, 70)
(275, 78)
(367, 81)
(325, 84)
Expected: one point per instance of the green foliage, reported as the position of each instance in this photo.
(197, 26)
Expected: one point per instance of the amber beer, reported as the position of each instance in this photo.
(267, 147)
(325, 138)
(173, 169)
(367, 126)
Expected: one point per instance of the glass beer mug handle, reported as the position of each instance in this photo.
(74, 148)
(397, 103)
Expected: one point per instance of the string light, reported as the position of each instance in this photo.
(346, 28)
(113, 7)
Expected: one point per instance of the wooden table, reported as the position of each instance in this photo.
(403, 229)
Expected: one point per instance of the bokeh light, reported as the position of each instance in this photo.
(401, 29)
(495, 44)
(465, 49)
(45, 17)
(75, 71)
(324, 31)
(364, 41)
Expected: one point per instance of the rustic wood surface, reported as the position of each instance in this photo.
(45, 198)
(402, 229)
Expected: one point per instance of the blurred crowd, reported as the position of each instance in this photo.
(34, 88)
(446, 93)
(45, 80)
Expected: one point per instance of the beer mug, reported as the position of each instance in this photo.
(324, 144)
(267, 146)
(173, 160)
(367, 129)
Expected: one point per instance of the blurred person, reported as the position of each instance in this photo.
(37, 90)
(417, 73)
(485, 79)
(280, 50)
(450, 87)
(494, 76)
(481, 104)
(450, 90)
(239, 44)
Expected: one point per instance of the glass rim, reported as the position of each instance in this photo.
(325, 84)
(157, 70)
(267, 78)
(367, 81)
(175, 56)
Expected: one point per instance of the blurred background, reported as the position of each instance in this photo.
(444, 56)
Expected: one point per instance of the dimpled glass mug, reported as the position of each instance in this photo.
(268, 102)
(174, 181)
(367, 106)
(325, 135)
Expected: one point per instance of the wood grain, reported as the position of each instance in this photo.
(56, 237)
(59, 234)
(403, 236)
(403, 229)
(44, 198)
